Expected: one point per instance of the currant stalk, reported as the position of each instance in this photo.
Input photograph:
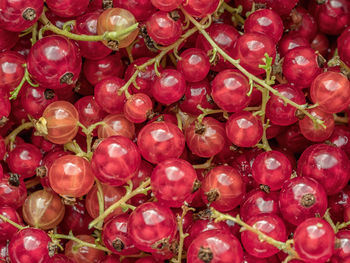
(12, 136)
(142, 189)
(26, 78)
(250, 76)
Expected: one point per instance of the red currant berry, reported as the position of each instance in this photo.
(331, 91)
(152, 227)
(115, 236)
(138, 108)
(230, 89)
(141, 9)
(302, 198)
(87, 25)
(159, 141)
(344, 47)
(244, 129)
(61, 122)
(116, 124)
(290, 41)
(173, 181)
(302, 22)
(215, 246)
(59, 258)
(5, 109)
(7, 230)
(271, 169)
(339, 138)
(327, 164)
(115, 160)
(83, 254)
(62, 61)
(270, 225)
(13, 191)
(317, 133)
(8, 39)
(223, 188)
(166, 5)
(30, 245)
(106, 95)
(251, 48)
(265, 21)
(200, 8)
(11, 70)
(320, 43)
(20, 15)
(68, 8)
(300, 66)
(314, 240)
(194, 64)
(342, 244)
(281, 113)
(169, 87)
(71, 176)
(76, 218)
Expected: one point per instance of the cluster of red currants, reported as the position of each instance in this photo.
(148, 131)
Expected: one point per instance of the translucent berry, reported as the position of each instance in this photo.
(138, 108)
(116, 124)
(194, 64)
(68, 8)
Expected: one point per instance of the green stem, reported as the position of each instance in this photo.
(246, 73)
(80, 242)
(206, 112)
(19, 227)
(74, 147)
(34, 33)
(101, 201)
(12, 136)
(142, 189)
(26, 78)
(328, 218)
(182, 235)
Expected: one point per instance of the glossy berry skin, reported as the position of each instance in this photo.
(106, 95)
(300, 66)
(141, 9)
(13, 191)
(229, 90)
(271, 168)
(111, 194)
(342, 244)
(5, 109)
(281, 113)
(8, 39)
(327, 164)
(197, 93)
(11, 70)
(302, 23)
(35, 99)
(169, 87)
(113, 259)
(163, 29)
(259, 202)
(115, 160)
(341, 138)
(314, 240)
(115, 236)
(219, 246)
(290, 41)
(166, 5)
(138, 108)
(6, 229)
(344, 47)
(19, 15)
(318, 133)
(43, 209)
(270, 225)
(24, 159)
(87, 25)
(223, 188)
(71, 175)
(173, 182)
(152, 227)
(206, 139)
(200, 8)
(29, 245)
(116, 124)
(250, 49)
(83, 254)
(62, 61)
(265, 21)
(301, 198)
(244, 129)
(194, 64)
(62, 122)
(331, 91)
(77, 219)
(68, 8)
(114, 20)
(159, 141)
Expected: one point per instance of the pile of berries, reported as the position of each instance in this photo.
(148, 131)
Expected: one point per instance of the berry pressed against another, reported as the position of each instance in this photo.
(116, 124)
(115, 160)
(158, 141)
(200, 8)
(223, 188)
(11, 70)
(13, 191)
(215, 246)
(7, 230)
(173, 181)
(314, 240)
(166, 5)
(141, 9)
(301, 198)
(68, 8)
(343, 45)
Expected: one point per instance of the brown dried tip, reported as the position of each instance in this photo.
(14, 179)
(212, 195)
(29, 14)
(49, 94)
(161, 244)
(41, 171)
(67, 200)
(3, 121)
(205, 254)
(308, 200)
(67, 78)
(199, 128)
(196, 185)
(107, 4)
(118, 245)
(113, 44)
(265, 188)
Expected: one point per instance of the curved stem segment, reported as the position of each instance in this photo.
(12, 136)
(250, 76)
(18, 226)
(26, 78)
(142, 189)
